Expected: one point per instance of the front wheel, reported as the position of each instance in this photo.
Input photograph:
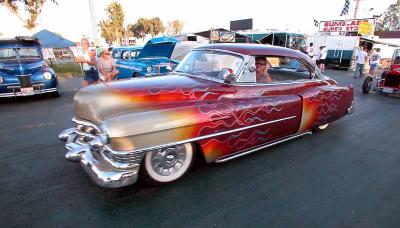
(367, 85)
(167, 165)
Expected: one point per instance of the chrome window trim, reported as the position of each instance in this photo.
(278, 83)
(311, 68)
(143, 150)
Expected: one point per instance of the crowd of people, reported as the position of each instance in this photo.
(319, 57)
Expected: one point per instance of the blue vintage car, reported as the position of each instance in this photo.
(23, 71)
(126, 53)
(159, 56)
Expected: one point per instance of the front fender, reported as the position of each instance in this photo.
(154, 128)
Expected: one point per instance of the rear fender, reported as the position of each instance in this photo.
(324, 104)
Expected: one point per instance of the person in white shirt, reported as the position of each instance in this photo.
(361, 57)
(88, 61)
(310, 50)
(322, 58)
(374, 61)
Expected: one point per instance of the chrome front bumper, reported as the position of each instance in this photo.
(35, 92)
(102, 169)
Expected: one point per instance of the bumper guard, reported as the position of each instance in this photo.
(102, 170)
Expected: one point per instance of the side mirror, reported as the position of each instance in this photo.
(227, 75)
(251, 69)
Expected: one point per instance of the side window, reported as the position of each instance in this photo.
(249, 72)
(133, 54)
(287, 69)
(116, 54)
(125, 55)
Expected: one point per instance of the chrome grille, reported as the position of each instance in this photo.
(86, 132)
(25, 81)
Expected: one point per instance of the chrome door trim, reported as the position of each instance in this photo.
(245, 152)
(125, 152)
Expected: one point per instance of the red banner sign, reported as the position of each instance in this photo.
(342, 25)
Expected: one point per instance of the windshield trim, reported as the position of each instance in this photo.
(243, 57)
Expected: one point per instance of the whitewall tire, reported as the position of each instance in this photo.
(167, 165)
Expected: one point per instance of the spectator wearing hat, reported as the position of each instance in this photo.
(106, 66)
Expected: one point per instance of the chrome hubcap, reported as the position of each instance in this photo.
(168, 161)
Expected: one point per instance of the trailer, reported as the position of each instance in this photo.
(342, 50)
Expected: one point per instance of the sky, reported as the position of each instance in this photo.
(71, 18)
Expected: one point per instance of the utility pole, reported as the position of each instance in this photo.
(356, 9)
(94, 25)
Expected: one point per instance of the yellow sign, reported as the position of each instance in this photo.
(365, 28)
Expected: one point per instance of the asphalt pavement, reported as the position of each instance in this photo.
(345, 176)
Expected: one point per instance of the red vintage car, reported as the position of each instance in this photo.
(222, 102)
(388, 82)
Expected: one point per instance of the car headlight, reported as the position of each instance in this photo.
(148, 69)
(1, 80)
(47, 75)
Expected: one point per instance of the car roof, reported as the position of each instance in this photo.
(128, 48)
(19, 42)
(258, 49)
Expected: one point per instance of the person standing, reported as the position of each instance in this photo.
(322, 58)
(106, 66)
(87, 59)
(360, 60)
(374, 61)
(310, 50)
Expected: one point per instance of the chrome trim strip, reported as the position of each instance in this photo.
(245, 152)
(125, 152)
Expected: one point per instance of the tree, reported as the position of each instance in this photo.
(174, 27)
(112, 29)
(156, 27)
(390, 20)
(33, 7)
(141, 28)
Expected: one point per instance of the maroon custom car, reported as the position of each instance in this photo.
(223, 101)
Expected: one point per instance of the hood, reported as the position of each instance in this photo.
(22, 68)
(104, 101)
(163, 49)
(153, 61)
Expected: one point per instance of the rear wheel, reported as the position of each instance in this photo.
(135, 75)
(320, 128)
(367, 85)
(167, 165)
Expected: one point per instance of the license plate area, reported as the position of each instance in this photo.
(27, 91)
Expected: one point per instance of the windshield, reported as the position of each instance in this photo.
(209, 63)
(22, 53)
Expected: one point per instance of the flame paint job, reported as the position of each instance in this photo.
(142, 113)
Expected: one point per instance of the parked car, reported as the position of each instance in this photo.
(159, 56)
(388, 82)
(23, 71)
(126, 53)
(211, 105)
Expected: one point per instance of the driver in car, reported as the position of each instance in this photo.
(262, 70)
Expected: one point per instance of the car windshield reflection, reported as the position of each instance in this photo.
(209, 63)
